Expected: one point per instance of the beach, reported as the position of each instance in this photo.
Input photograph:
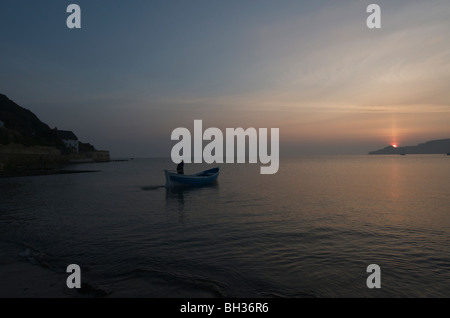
(21, 276)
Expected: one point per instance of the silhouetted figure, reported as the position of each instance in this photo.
(180, 167)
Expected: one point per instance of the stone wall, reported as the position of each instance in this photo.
(99, 156)
(19, 149)
(16, 156)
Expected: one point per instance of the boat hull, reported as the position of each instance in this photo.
(199, 179)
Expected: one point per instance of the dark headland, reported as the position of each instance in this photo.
(30, 147)
(440, 146)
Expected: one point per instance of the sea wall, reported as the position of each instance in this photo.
(16, 156)
(99, 155)
(90, 156)
(18, 149)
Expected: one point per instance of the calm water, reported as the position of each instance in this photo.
(311, 230)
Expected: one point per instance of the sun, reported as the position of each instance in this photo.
(395, 145)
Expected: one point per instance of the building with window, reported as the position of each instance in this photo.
(69, 139)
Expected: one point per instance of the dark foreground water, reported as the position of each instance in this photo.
(311, 230)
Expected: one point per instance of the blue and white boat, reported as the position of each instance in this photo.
(199, 179)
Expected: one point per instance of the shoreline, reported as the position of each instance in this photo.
(20, 278)
(23, 274)
(40, 172)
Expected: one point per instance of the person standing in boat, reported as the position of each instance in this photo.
(180, 167)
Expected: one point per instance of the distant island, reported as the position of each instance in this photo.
(27, 145)
(440, 146)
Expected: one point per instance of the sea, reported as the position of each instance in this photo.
(309, 231)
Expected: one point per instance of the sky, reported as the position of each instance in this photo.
(136, 70)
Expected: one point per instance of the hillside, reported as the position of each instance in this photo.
(440, 146)
(29, 146)
(21, 126)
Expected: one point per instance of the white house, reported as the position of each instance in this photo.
(69, 139)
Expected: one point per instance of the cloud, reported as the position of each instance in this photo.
(325, 62)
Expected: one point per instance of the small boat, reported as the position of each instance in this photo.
(199, 179)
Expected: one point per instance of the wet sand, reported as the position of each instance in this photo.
(20, 278)
(24, 275)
